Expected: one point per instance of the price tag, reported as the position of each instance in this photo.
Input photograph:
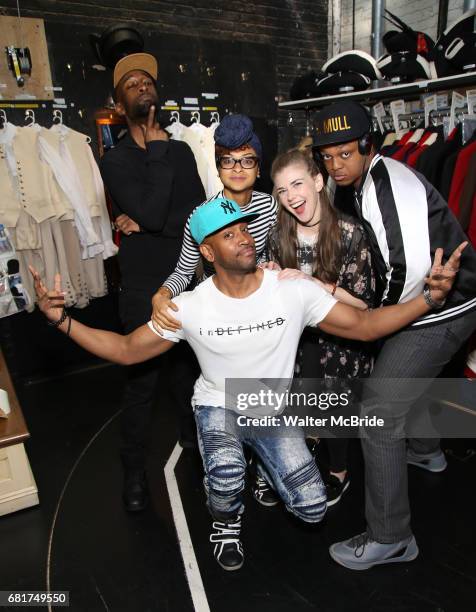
(379, 112)
(457, 101)
(442, 101)
(398, 108)
(471, 98)
(431, 103)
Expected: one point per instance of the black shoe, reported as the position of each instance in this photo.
(263, 493)
(335, 488)
(188, 442)
(312, 445)
(228, 549)
(136, 493)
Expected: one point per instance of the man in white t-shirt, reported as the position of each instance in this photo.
(243, 323)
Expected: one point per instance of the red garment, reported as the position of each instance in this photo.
(403, 148)
(472, 224)
(457, 182)
(413, 157)
(402, 152)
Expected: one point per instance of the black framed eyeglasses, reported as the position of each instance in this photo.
(228, 163)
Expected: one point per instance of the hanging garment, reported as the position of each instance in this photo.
(62, 167)
(75, 147)
(207, 144)
(427, 140)
(28, 180)
(467, 194)
(460, 172)
(200, 140)
(431, 162)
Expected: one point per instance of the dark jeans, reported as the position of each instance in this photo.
(182, 371)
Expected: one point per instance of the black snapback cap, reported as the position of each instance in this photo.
(341, 122)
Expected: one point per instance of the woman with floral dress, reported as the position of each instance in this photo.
(311, 237)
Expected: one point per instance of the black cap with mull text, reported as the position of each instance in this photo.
(341, 122)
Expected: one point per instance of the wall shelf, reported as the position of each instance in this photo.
(393, 92)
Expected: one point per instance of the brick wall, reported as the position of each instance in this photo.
(421, 15)
(296, 30)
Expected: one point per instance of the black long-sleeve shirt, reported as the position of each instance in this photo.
(157, 187)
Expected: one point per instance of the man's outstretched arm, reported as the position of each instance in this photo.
(349, 322)
(140, 345)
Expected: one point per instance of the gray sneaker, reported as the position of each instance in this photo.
(361, 552)
(436, 462)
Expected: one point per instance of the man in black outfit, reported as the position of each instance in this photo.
(154, 186)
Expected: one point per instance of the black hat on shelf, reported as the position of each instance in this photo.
(342, 82)
(405, 67)
(455, 50)
(353, 61)
(305, 86)
(405, 38)
(461, 52)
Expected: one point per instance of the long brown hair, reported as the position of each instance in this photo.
(329, 250)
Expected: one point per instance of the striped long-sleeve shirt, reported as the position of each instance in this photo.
(261, 203)
(406, 220)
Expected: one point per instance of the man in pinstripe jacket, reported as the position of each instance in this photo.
(406, 220)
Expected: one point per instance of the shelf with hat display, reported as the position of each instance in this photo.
(406, 90)
(413, 65)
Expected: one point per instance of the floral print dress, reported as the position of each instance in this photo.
(321, 355)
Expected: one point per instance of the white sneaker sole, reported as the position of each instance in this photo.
(422, 466)
(230, 569)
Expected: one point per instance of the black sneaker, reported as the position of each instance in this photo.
(263, 493)
(335, 488)
(312, 444)
(228, 549)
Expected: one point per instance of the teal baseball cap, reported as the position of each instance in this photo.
(215, 215)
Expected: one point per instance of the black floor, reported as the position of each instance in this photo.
(109, 560)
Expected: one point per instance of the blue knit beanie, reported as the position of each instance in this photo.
(235, 131)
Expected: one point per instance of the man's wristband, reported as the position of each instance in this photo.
(62, 319)
(430, 301)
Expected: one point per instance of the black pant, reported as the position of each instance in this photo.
(135, 309)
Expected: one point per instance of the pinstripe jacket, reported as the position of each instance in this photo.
(406, 220)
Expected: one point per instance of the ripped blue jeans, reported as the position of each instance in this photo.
(289, 466)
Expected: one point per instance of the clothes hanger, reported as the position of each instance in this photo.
(30, 117)
(57, 117)
(195, 118)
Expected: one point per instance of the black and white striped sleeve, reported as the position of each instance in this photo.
(182, 276)
(266, 206)
(395, 204)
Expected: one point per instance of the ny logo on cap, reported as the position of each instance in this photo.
(228, 207)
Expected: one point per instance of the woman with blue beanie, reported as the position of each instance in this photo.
(238, 154)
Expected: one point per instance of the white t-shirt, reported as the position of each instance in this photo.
(253, 337)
